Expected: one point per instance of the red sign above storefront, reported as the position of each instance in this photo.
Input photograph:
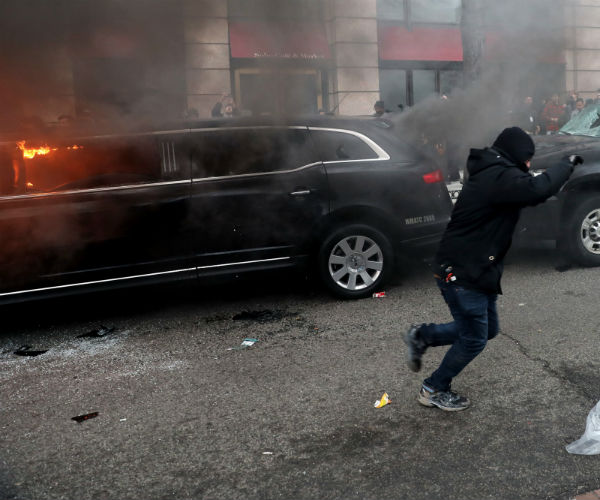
(397, 43)
(501, 46)
(284, 40)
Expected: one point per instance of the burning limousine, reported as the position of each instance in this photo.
(219, 197)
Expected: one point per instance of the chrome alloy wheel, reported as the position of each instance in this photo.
(590, 232)
(355, 262)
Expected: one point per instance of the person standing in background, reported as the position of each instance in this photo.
(552, 114)
(526, 117)
(579, 105)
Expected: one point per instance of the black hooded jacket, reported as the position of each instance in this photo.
(480, 230)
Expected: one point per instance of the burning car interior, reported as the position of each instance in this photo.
(28, 169)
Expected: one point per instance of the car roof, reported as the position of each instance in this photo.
(355, 123)
(326, 121)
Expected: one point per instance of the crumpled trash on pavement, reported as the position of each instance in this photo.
(245, 343)
(83, 418)
(385, 399)
(589, 443)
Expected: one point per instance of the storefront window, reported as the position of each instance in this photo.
(393, 88)
(423, 84)
(270, 92)
(435, 11)
(450, 80)
(392, 10)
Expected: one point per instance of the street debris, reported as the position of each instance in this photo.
(263, 316)
(563, 267)
(25, 350)
(83, 418)
(379, 295)
(218, 317)
(589, 443)
(383, 401)
(100, 332)
(267, 452)
(246, 343)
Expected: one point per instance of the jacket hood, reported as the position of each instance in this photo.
(480, 159)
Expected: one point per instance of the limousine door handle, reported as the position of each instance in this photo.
(300, 192)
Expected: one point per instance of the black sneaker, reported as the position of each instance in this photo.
(444, 400)
(416, 348)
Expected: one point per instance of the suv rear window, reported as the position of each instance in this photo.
(341, 146)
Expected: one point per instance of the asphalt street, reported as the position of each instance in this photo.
(184, 412)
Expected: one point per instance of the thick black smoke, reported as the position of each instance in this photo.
(39, 37)
(113, 58)
(526, 60)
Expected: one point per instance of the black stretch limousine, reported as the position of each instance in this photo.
(215, 197)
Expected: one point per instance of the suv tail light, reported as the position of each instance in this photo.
(433, 177)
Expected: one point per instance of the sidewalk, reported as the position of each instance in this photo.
(592, 495)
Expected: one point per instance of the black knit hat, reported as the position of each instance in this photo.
(515, 144)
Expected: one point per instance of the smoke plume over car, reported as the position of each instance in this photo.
(45, 47)
(44, 44)
(519, 38)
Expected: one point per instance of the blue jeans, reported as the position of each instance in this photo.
(475, 322)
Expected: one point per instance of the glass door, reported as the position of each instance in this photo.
(275, 92)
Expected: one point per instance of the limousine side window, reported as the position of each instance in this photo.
(250, 151)
(340, 146)
(88, 164)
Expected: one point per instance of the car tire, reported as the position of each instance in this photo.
(580, 239)
(355, 261)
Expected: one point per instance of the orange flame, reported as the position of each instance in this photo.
(29, 153)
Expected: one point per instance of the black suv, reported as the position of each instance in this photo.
(572, 217)
(216, 197)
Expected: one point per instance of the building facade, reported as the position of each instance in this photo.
(582, 34)
(172, 57)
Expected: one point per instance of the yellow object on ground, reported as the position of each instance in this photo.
(383, 401)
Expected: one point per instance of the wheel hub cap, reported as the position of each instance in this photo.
(590, 232)
(356, 263)
(593, 231)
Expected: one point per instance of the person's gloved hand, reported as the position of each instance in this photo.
(576, 160)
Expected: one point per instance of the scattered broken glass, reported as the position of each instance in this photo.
(587, 123)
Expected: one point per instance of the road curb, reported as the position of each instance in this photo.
(592, 495)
